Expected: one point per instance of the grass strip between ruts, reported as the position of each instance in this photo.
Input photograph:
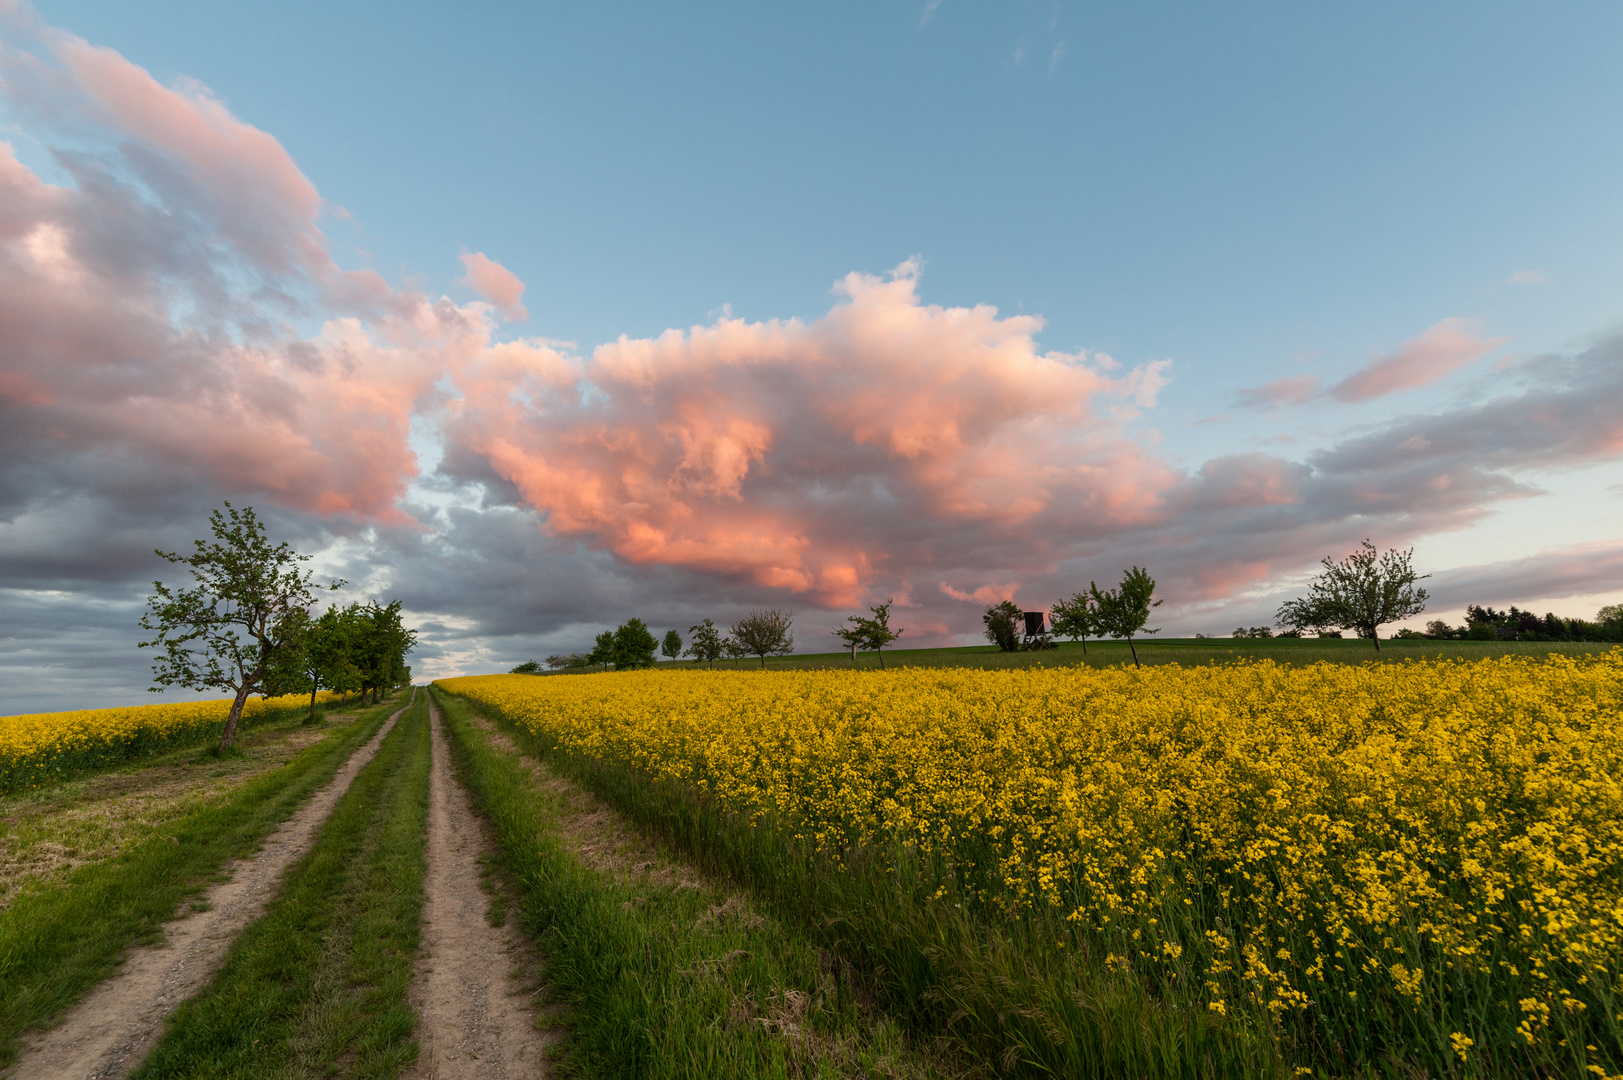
(58, 944)
(667, 979)
(320, 980)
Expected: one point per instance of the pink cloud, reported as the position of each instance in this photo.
(176, 199)
(816, 456)
(497, 284)
(986, 594)
(1290, 391)
(1440, 351)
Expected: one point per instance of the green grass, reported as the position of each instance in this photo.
(318, 984)
(996, 989)
(56, 944)
(667, 978)
(1184, 651)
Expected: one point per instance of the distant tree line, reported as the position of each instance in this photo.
(632, 645)
(1361, 592)
(245, 625)
(1487, 624)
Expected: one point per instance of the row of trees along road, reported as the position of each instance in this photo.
(245, 625)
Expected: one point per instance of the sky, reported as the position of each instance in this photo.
(538, 317)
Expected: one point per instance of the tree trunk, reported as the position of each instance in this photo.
(229, 735)
(312, 701)
(1375, 636)
(1130, 645)
(881, 652)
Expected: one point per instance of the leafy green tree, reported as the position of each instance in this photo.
(312, 656)
(870, 633)
(1003, 625)
(764, 633)
(633, 646)
(1074, 618)
(221, 634)
(379, 646)
(602, 649)
(1122, 612)
(671, 646)
(707, 646)
(529, 667)
(1362, 592)
(852, 635)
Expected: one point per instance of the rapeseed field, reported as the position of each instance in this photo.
(1419, 864)
(38, 747)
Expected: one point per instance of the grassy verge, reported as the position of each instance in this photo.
(57, 944)
(661, 973)
(319, 982)
(997, 989)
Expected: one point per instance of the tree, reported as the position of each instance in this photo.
(311, 655)
(1074, 618)
(1361, 592)
(379, 644)
(879, 633)
(634, 646)
(1610, 616)
(602, 649)
(869, 634)
(529, 667)
(707, 645)
(1123, 611)
(671, 647)
(1003, 626)
(222, 633)
(765, 633)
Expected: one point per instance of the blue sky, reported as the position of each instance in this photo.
(1251, 193)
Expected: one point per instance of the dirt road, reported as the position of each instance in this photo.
(475, 1016)
(108, 1033)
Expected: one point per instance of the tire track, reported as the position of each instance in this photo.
(112, 1028)
(475, 1016)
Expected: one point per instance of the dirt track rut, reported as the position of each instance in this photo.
(108, 1033)
(476, 1016)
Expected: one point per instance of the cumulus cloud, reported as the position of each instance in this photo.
(151, 307)
(815, 456)
(1438, 352)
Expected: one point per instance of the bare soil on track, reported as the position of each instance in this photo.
(475, 988)
(110, 1031)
